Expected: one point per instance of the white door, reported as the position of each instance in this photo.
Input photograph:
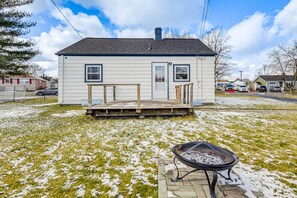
(160, 81)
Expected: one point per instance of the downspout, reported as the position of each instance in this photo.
(197, 81)
(201, 80)
(62, 77)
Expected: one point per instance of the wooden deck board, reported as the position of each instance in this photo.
(147, 108)
(146, 104)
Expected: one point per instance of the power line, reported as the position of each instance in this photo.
(204, 17)
(66, 19)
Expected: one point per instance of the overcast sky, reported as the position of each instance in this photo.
(254, 26)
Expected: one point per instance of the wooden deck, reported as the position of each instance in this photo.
(182, 105)
(146, 108)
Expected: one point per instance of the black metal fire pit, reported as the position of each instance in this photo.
(207, 157)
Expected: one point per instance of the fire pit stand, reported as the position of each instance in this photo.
(207, 157)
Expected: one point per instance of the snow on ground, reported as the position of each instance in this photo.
(10, 112)
(246, 102)
(17, 110)
(264, 181)
(70, 113)
(130, 147)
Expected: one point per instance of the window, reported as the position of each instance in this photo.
(7, 80)
(93, 73)
(24, 81)
(181, 73)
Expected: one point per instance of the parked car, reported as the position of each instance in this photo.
(229, 88)
(275, 89)
(242, 88)
(261, 89)
(47, 91)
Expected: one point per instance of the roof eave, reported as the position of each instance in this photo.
(78, 54)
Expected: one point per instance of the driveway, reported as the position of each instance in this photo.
(275, 97)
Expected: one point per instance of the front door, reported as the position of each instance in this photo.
(160, 81)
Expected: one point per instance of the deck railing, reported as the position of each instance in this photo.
(184, 93)
(105, 86)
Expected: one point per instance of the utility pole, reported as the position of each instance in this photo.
(240, 75)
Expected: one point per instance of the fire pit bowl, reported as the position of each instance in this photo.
(207, 157)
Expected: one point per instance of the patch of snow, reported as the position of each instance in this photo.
(96, 193)
(52, 149)
(17, 110)
(113, 184)
(264, 180)
(247, 102)
(81, 190)
(17, 161)
(45, 105)
(69, 113)
(43, 180)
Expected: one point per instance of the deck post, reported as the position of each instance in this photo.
(191, 92)
(184, 94)
(89, 95)
(138, 98)
(114, 92)
(188, 93)
(104, 95)
(178, 93)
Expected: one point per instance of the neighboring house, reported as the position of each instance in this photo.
(238, 82)
(220, 85)
(32, 83)
(157, 64)
(272, 81)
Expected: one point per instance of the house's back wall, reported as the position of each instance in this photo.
(73, 88)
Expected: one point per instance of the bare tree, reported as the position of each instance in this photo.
(266, 69)
(283, 59)
(217, 40)
(174, 33)
(35, 70)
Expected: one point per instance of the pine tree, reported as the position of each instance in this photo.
(15, 52)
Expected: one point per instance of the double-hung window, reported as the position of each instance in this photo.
(24, 81)
(181, 73)
(93, 73)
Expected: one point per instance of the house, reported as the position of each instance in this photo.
(272, 81)
(238, 82)
(220, 85)
(158, 65)
(31, 83)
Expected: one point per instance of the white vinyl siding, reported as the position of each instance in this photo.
(119, 70)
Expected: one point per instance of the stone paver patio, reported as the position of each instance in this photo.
(195, 184)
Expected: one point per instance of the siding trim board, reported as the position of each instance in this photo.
(157, 55)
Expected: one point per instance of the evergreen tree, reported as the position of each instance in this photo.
(15, 52)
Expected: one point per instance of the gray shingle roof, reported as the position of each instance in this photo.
(276, 77)
(137, 47)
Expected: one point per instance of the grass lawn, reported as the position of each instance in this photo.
(57, 151)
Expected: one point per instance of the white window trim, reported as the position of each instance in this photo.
(174, 73)
(100, 70)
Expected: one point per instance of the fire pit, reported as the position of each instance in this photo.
(207, 157)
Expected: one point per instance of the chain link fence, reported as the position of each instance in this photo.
(12, 93)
